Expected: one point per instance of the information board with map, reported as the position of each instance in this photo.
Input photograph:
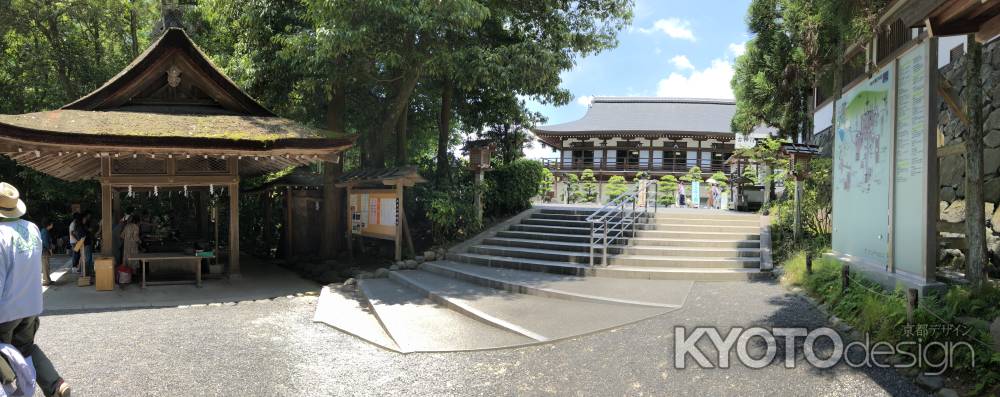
(861, 172)
(882, 193)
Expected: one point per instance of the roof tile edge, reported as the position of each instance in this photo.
(641, 99)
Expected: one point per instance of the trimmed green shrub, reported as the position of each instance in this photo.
(573, 192)
(510, 187)
(694, 174)
(666, 189)
(615, 187)
(588, 187)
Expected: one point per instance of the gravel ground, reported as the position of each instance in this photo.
(272, 348)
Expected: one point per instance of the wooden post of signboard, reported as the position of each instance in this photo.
(350, 224)
(399, 223)
(406, 230)
(289, 214)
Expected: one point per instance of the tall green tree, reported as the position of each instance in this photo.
(795, 44)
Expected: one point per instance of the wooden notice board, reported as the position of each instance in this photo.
(374, 213)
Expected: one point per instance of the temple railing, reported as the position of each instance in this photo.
(679, 166)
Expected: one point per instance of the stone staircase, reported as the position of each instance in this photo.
(531, 282)
(701, 245)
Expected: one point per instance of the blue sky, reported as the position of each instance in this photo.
(673, 48)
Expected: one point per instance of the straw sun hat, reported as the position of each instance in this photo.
(11, 205)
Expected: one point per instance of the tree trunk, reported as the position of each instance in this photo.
(333, 197)
(975, 217)
(133, 28)
(402, 142)
(376, 157)
(444, 129)
(55, 37)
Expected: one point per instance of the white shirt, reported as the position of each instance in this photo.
(20, 270)
(72, 228)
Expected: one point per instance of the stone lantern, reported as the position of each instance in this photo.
(480, 152)
(799, 161)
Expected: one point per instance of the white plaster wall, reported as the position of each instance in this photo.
(823, 117)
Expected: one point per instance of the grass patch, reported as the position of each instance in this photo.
(962, 314)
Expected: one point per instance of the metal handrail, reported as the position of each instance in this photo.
(618, 215)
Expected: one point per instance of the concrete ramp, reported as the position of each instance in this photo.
(531, 281)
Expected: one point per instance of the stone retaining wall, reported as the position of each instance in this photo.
(951, 131)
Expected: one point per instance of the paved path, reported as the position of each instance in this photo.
(272, 348)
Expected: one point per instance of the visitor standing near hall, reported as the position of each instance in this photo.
(716, 196)
(680, 193)
(47, 248)
(73, 226)
(21, 291)
(131, 237)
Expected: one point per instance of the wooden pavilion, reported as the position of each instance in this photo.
(170, 119)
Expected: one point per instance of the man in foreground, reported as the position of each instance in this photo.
(21, 289)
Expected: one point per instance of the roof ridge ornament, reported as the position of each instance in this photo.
(173, 76)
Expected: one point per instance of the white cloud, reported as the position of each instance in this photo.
(681, 62)
(673, 27)
(712, 82)
(738, 49)
(584, 100)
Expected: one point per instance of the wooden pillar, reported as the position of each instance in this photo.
(333, 209)
(116, 206)
(268, 228)
(107, 220)
(289, 203)
(399, 223)
(477, 200)
(234, 230)
(975, 216)
(797, 229)
(107, 211)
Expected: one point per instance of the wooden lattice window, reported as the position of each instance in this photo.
(138, 166)
(202, 165)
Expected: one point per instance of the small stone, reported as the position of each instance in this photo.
(992, 138)
(930, 383)
(946, 393)
(946, 195)
(395, 267)
(420, 259)
(996, 221)
(991, 160)
(410, 264)
(430, 255)
(991, 189)
(382, 273)
(952, 169)
(401, 263)
(955, 213)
